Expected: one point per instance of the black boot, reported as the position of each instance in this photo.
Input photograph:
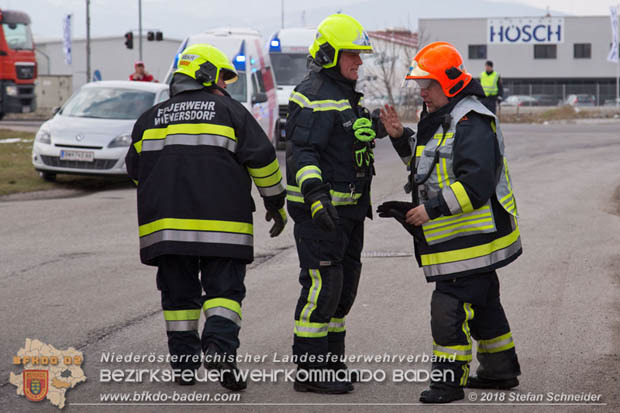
(319, 381)
(228, 378)
(444, 394)
(352, 374)
(475, 382)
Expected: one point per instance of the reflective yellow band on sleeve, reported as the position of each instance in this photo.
(419, 150)
(265, 171)
(308, 172)
(462, 197)
(271, 180)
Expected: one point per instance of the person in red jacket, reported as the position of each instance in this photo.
(141, 74)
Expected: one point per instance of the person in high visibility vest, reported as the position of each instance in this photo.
(463, 217)
(492, 84)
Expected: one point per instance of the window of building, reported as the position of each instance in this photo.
(582, 50)
(477, 51)
(545, 51)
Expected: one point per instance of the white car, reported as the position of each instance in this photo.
(91, 133)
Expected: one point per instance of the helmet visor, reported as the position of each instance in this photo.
(229, 76)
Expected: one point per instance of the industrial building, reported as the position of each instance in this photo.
(551, 56)
(109, 57)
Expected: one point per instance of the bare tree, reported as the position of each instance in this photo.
(385, 71)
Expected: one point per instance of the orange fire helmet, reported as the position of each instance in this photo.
(442, 62)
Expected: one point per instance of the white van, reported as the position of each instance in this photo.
(288, 49)
(256, 87)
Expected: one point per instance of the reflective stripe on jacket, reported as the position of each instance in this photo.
(454, 243)
(320, 149)
(193, 158)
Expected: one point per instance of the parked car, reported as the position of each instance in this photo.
(545, 100)
(91, 133)
(580, 100)
(519, 100)
(612, 102)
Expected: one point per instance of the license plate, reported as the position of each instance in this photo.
(25, 109)
(77, 156)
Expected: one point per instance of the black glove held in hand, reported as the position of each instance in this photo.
(279, 221)
(398, 211)
(324, 214)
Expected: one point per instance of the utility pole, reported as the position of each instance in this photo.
(282, 13)
(87, 41)
(140, 26)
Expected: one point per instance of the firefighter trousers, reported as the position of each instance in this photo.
(181, 280)
(466, 308)
(329, 277)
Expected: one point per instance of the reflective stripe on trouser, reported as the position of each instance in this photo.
(328, 289)
(189, 284)
(182, 320)
(223, 307)
(452, 341)
(455, 322)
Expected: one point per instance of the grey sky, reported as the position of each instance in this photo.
(179, 18)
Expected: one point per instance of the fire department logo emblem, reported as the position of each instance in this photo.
(35, 384)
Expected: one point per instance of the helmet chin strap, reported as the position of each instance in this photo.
(221, 89)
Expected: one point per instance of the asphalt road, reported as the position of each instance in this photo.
(70, 276)
(21, 125)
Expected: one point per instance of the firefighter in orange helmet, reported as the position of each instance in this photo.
(463, 219)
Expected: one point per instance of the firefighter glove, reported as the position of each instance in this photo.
(279, 221)
(323, 212)
(398, 211)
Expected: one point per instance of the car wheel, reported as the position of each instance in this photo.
(48, 176)
(1, 115)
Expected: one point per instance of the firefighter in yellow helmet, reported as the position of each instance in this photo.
(194, 158)
(329, 170)
(463, 219)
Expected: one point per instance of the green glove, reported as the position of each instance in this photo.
(362, 128)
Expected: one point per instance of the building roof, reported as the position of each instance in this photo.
(403, 37)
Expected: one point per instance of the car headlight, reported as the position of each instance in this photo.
(43, 136)
(120, 141)
(11, 90)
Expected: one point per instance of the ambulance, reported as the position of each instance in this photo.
(288, 50)
(256, 87)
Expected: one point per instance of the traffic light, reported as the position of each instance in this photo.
(157, 36)
(129, 40)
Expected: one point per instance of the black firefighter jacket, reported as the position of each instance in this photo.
(192, 158)
(321, 146)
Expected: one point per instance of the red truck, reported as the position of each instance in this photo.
(18, 67)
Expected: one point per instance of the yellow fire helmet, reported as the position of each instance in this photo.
(206, 64)
(338, 33)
